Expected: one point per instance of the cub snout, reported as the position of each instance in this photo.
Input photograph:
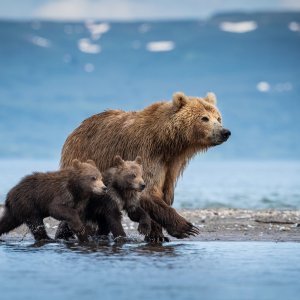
(99, 188)
(142, 186)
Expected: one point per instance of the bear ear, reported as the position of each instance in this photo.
(118, 160)
(211, 98)
(138, 160)
(76, 163)
(179, 100)
(91, 162)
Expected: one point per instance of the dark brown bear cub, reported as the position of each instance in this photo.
(55, 194)
(124, 185)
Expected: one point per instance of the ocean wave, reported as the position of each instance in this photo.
(40, 41)
(86, 46)
(263, 86)
(96, 30)
(238, 27)
(294, 26)
(160, 46)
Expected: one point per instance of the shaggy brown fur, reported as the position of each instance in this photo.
(166, 135)
(56, 194)
(125, 184)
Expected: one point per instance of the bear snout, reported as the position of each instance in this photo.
(100, 189)
(225, 134)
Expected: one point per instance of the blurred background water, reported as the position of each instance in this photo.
(55, 74)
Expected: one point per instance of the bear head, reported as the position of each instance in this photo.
(88, 176)
(198, 120)
(129, 174)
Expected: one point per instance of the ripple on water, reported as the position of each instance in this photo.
(176, 270)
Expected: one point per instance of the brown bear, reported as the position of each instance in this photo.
(56, 194)
(124, 184)
(166, 135)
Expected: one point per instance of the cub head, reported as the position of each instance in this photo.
(90, 178)
(129, 174)
(198, 120)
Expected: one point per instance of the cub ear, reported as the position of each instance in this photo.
(118, 160)
(76, 163)
(179, 100)
(91, 162)
(211, 98)
(138, 160)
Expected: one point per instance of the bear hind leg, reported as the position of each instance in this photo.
(8, 222)
(37, 229)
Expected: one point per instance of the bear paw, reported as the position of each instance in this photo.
(183, 229)
(144, 228)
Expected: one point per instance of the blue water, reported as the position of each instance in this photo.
(205, 184)
(48, 84)
(177, 270)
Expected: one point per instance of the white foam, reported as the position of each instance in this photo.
(97, 30)
(294, 26)
(86, 46)
(263, 86)
(160, 46)
(40, 41)
(238, 27)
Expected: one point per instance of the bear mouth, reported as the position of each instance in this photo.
(219, 141)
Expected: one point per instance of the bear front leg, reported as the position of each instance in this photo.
(64, 232)
(71, 216)
(113, 219)
(137, 214)
(167, 217)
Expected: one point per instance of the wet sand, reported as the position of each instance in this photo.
(216, 225)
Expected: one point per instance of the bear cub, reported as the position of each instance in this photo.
(124, 184)
(57, 194)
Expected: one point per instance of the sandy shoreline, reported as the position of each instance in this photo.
(216, 225)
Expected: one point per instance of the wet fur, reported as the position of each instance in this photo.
(57, 194)
(165, 134)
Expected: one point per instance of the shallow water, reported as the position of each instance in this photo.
(176, 270)
(236, 184)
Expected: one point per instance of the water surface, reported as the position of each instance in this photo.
(177, 270)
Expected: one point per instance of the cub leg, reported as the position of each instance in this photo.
(8, 222)
(64, 232)
(137, 214)
(37, 229)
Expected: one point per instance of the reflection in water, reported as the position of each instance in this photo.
(136, 270)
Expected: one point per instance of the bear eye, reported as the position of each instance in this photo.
(133, 175)
(93, 177)
(205, 119)
(219, 120)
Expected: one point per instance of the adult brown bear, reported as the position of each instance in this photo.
(166, 135)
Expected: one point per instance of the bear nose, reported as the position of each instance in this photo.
(143, 185)
(226, 134)
(104, 188)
